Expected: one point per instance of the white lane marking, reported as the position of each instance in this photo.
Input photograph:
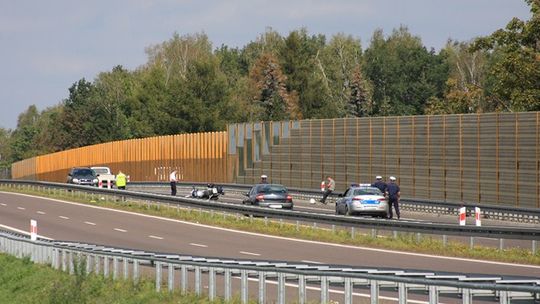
(22, 231)
(250, 253)
(311, 262)
(64, 217)
(120, 230)
(198, 245)
(285, 238)
(21, 208)
(41, 212)
(155, 237)
(3, 204)
(90, 223)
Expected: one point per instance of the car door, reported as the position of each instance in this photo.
(341, 202)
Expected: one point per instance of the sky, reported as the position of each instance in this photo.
(46, 46)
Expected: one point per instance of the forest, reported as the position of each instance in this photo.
(188, 85)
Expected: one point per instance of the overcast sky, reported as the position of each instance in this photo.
(46, 46)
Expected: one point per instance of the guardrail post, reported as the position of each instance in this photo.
(97, 264)
(402, 293)
(158, 276)
(466, 296)
(170, 277)
(135, 271)
(348, 291)
(374, 291)
(243, 286)
(533, 247)
(471, 242)
(353, 232)
(501, 244)
(227, 287)
(444, 240)
(212, 283)
(183, 279)
(64, 260)
(324, 290)
(105, 266)
(198, 280)
(281, 288)
(126, 268)
(433, 294)
(88, 263)
(301, 289)
(262, 287)
(115, 268)
(71, 261)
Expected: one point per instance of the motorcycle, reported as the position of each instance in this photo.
(212, 192)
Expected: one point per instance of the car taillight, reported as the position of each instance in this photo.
(357, 199)
(259, 197)
(381, 199)
(289, 198)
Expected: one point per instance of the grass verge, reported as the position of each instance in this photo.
(404, 242)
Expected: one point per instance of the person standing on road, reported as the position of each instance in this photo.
(379, 184)
(393, 197)
(121, 180)
(264, 179)
(330, 187)
(173, 179)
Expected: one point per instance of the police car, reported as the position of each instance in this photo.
(362, 199)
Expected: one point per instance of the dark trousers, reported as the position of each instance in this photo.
(325, 195)
(173, 188)
(393, 202)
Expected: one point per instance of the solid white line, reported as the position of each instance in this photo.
(22, 231)
(198, 245)
(311, 262)
(41, 212)
(90, 223)
(120, 230)
(21, 208)
(285, 238)
(155, 237)
(250, 253)
(64, 217)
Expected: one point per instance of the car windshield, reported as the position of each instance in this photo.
(367, 191)
(101, 171)
(271, 189)
(83, 172)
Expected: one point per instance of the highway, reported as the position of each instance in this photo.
(77, 222)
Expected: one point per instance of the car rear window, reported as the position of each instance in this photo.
(83, 172)
(101, 171)
(367, 191)
(271, 189)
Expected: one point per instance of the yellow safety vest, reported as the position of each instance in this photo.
(121, 180)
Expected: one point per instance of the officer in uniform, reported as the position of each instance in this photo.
(379, 184)
(393, 197)
(121, 180)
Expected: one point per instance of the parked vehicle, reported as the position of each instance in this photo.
(82, 176)
(269, 195)
(104, 176)
(362, 199)
(212, 192)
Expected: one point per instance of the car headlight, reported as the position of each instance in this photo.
(95, 180)
(75, 180)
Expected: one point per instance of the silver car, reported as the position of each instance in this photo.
(362, 199)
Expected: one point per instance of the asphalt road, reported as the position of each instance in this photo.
(71, 221)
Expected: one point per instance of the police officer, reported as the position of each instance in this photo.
(379, 184)
(121, 180)
(393, 197)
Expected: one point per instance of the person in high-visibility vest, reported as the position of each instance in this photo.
(121, 180)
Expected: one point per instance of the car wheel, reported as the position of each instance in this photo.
(347, 211)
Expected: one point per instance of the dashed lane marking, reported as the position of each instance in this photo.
(155, 237)
(90, 223)
(41, 212)
(3, 204)
(120, 230)
(64, 217)
(198, 245)
(250, 253)
(21, 208)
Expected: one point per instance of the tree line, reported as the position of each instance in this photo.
(189, 86)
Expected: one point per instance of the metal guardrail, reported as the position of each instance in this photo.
(501, 233)
(110, 261)
(528, 215)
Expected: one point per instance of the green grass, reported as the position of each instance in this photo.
(22, 281)
(404, 242)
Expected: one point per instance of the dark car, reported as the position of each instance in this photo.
(362, 199)
(82, 176)
(269, 195)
